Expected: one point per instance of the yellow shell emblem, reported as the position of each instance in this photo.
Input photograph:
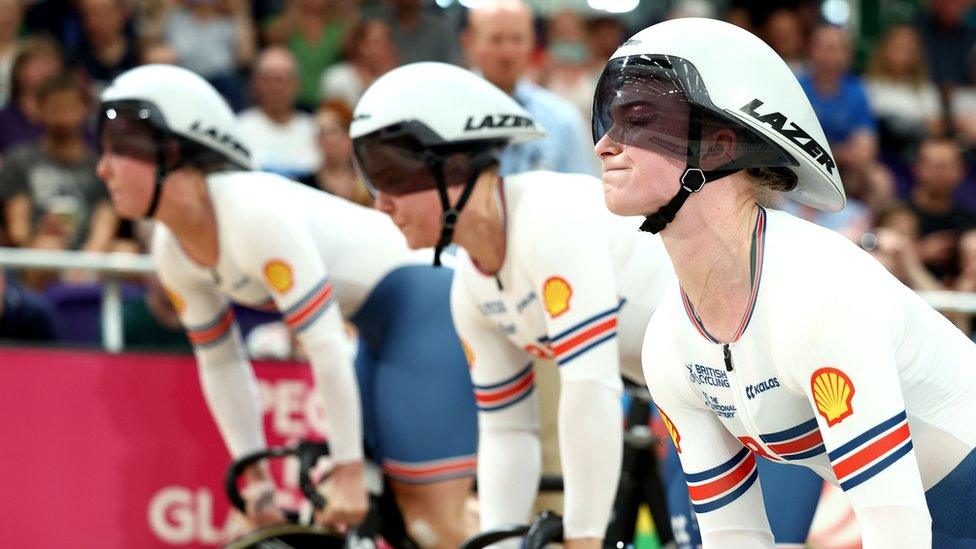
(468, 353)
(556, 293)
(279, 276)
(832, 393)
(672, 430)
(179, 304)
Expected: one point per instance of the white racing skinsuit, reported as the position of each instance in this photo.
(836, 366)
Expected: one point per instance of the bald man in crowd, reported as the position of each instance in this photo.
(281, 138)
(498, 43)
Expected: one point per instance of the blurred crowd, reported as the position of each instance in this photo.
(898, 109)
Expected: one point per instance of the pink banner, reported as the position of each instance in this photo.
(120, 451)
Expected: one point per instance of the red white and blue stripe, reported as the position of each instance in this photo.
(431, 471)
(872, 451)
(759, 246)
(301, 315)
(490, 398)
(796, 443)
(584, 336)
(720, 486)
(213, 332)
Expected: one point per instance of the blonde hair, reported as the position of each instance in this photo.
(766, 183)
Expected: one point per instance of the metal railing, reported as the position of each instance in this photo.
(951, 302)
(113, 265)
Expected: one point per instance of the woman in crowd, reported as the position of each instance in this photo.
(337, 175)
(369, 53)
(903, 98)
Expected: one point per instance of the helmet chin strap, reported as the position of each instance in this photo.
(161, 172)
(692, 180)
(450, 214)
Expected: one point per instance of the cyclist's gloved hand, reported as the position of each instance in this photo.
(345, 492)
(259, 497)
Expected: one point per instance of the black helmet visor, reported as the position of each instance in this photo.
(652, 102)
(402, 158)
(130, 128)
(394, 160)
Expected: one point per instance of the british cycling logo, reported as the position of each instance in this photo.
(753, 390)
(704, 375)
(492, 308)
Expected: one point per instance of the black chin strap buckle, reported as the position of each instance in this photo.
(693, 180)
(451, 214)
(449, 218)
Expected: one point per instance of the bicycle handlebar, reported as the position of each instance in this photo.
(546, 528)
(488, 537)
(307, 452)
(307, 458)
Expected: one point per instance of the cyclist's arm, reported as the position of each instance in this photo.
(572, 273)
(282, 254)
(846, 366)
(226, 378)
(509, 452)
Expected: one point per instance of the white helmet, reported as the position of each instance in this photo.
(145, 108)
(432, 125)
(453, 103)
(711, 75)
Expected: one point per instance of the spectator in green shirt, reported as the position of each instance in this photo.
(314, 31)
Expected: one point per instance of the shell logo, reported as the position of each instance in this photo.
(468, 353)
(672, 430)
(179, 304)
(832, 393)
(556, 293)
(279, 276)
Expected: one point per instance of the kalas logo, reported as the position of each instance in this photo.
(759, 388)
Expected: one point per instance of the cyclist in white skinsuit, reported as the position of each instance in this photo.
(544, 271)
(780, 339)
(255, 238)
(579, 292)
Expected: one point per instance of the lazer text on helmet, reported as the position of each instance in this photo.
(222, 138)
(493, 121)
(796, 134)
